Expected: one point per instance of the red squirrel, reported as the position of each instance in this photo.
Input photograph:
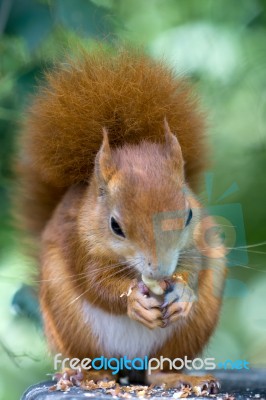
(111, 155)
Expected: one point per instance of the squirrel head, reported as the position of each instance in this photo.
(137, 209)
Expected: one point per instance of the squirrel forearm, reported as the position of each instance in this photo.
(105, 292)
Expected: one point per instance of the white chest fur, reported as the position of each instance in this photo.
(121, 336)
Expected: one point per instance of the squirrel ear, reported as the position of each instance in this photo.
(104, 164)
(173, 148)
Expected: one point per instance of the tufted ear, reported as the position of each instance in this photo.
(173, 148)
(104, 163)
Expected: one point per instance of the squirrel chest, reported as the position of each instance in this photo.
(118, 335)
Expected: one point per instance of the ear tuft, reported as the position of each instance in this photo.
(104, 163)
(105, 143)
(173, 148)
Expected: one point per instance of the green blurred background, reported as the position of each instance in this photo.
(221, 46)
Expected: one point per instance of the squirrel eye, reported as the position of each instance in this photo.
(189, 217)
(116, 228)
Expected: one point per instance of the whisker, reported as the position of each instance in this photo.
(92, 275)
(82, 274)
(249, 267)
(99, 283)
(249, 251)
(97, 297)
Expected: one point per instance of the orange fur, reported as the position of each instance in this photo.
(71, 190)
(128, 93)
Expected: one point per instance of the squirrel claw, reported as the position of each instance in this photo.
(164, 305)
(143, 288)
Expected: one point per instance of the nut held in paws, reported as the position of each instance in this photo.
(154, 286)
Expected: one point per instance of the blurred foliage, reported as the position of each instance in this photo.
(220, 45)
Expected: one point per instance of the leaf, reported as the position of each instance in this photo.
(25, 303)
(83, 17)
(28, 80)
(31, 20)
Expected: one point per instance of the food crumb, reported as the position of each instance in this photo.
(70, 378)
(177, 395)
(128, 293)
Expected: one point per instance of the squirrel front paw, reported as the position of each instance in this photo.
(178, 302)
(144, 308)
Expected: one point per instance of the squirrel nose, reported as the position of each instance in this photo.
(154, 271)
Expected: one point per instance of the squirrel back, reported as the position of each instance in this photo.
(129, 94)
